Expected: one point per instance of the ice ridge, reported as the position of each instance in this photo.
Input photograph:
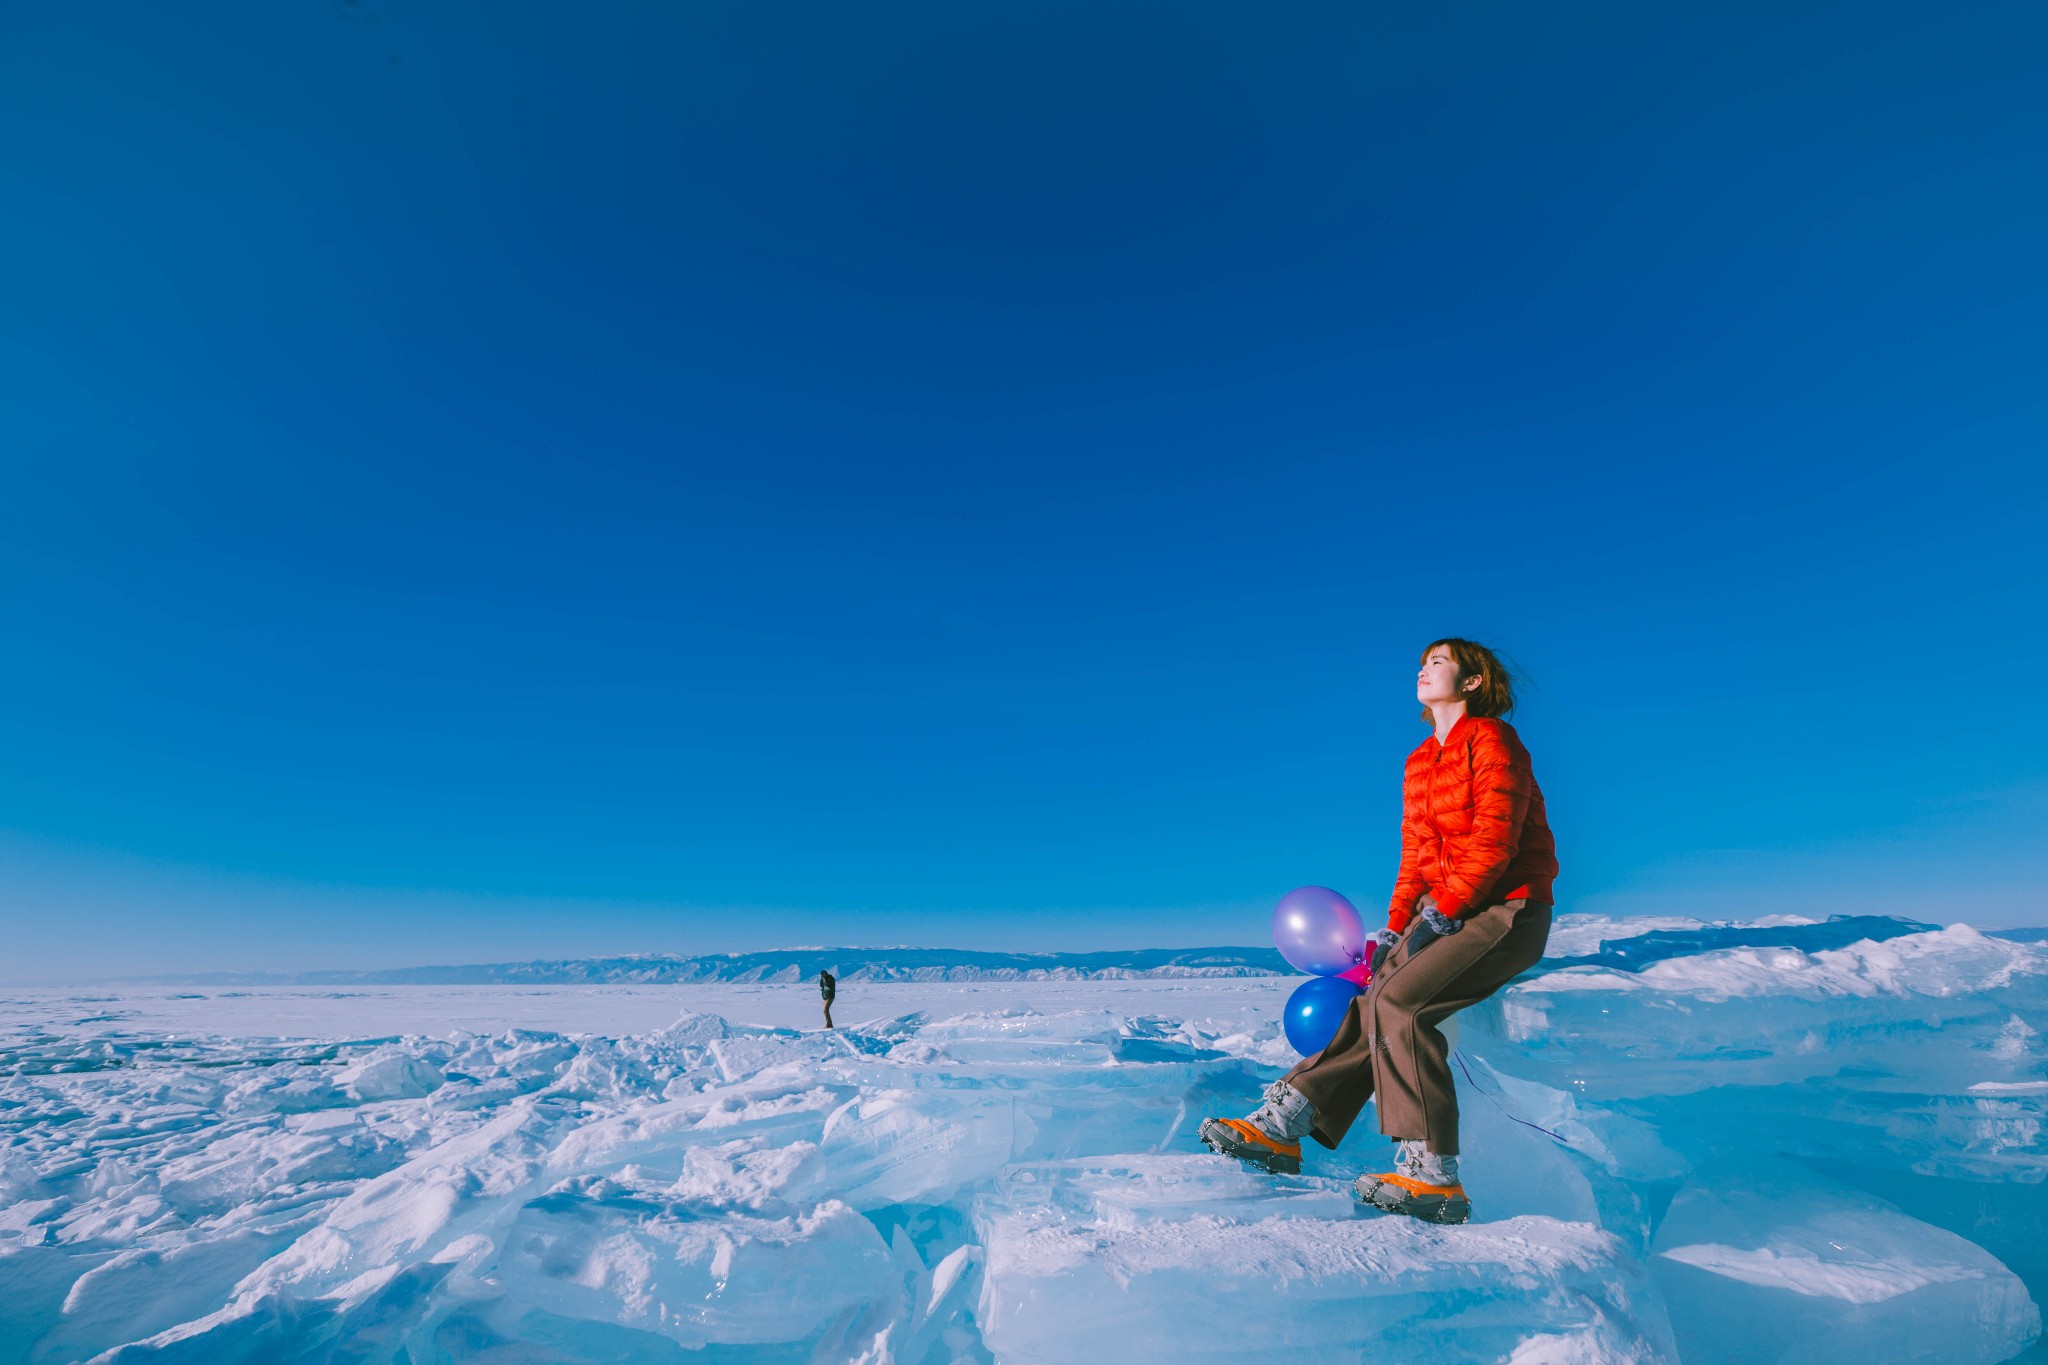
(1755, 1151)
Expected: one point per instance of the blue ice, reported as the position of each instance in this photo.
(1779, 1141)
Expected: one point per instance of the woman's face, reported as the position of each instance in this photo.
(1437, 680)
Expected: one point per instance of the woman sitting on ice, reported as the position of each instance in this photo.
(1477, 862)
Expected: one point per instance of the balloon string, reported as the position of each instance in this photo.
(1459, 1057)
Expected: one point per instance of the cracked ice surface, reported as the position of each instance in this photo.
(1739, 1154)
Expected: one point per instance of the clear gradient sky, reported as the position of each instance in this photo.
(487, 480)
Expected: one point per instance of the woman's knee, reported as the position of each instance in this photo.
(1400, 998)
(1393, 1016)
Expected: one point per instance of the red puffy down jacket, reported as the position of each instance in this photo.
(1473, 831)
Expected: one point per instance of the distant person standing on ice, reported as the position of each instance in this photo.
(1470, 912)
(828, 986)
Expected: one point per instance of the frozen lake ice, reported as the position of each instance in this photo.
(1734, 1154)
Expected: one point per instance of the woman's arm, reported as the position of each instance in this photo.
(1408, 883)
(1501, 780)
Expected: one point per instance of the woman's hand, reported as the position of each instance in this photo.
(1438, 921)
(1435, 924)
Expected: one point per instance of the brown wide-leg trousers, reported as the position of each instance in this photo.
(1389, 1045)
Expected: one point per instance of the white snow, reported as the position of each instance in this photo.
(613, 1010)
(1738, 1154)
(1955, 960)
(1802, 1272)
(1840, 1276)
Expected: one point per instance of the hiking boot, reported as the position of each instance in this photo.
(1422, 1185)
(1270, 1137)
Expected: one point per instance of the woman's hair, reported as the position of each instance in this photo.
(1496, 695)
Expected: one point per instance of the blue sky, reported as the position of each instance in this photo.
(485, 481)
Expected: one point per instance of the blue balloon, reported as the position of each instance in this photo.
(1315, 1010)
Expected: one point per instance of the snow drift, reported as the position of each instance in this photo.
(1741, 1152)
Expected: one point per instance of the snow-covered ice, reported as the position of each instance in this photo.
(1760, 1152)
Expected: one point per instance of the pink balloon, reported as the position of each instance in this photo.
(1359, 976)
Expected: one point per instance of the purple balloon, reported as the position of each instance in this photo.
(1318, 931)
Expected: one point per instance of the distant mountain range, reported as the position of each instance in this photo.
(793, 964)
(1625, 952)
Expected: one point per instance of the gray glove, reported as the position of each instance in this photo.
(1432, 925)
(1383, 943)
(1439, 922)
